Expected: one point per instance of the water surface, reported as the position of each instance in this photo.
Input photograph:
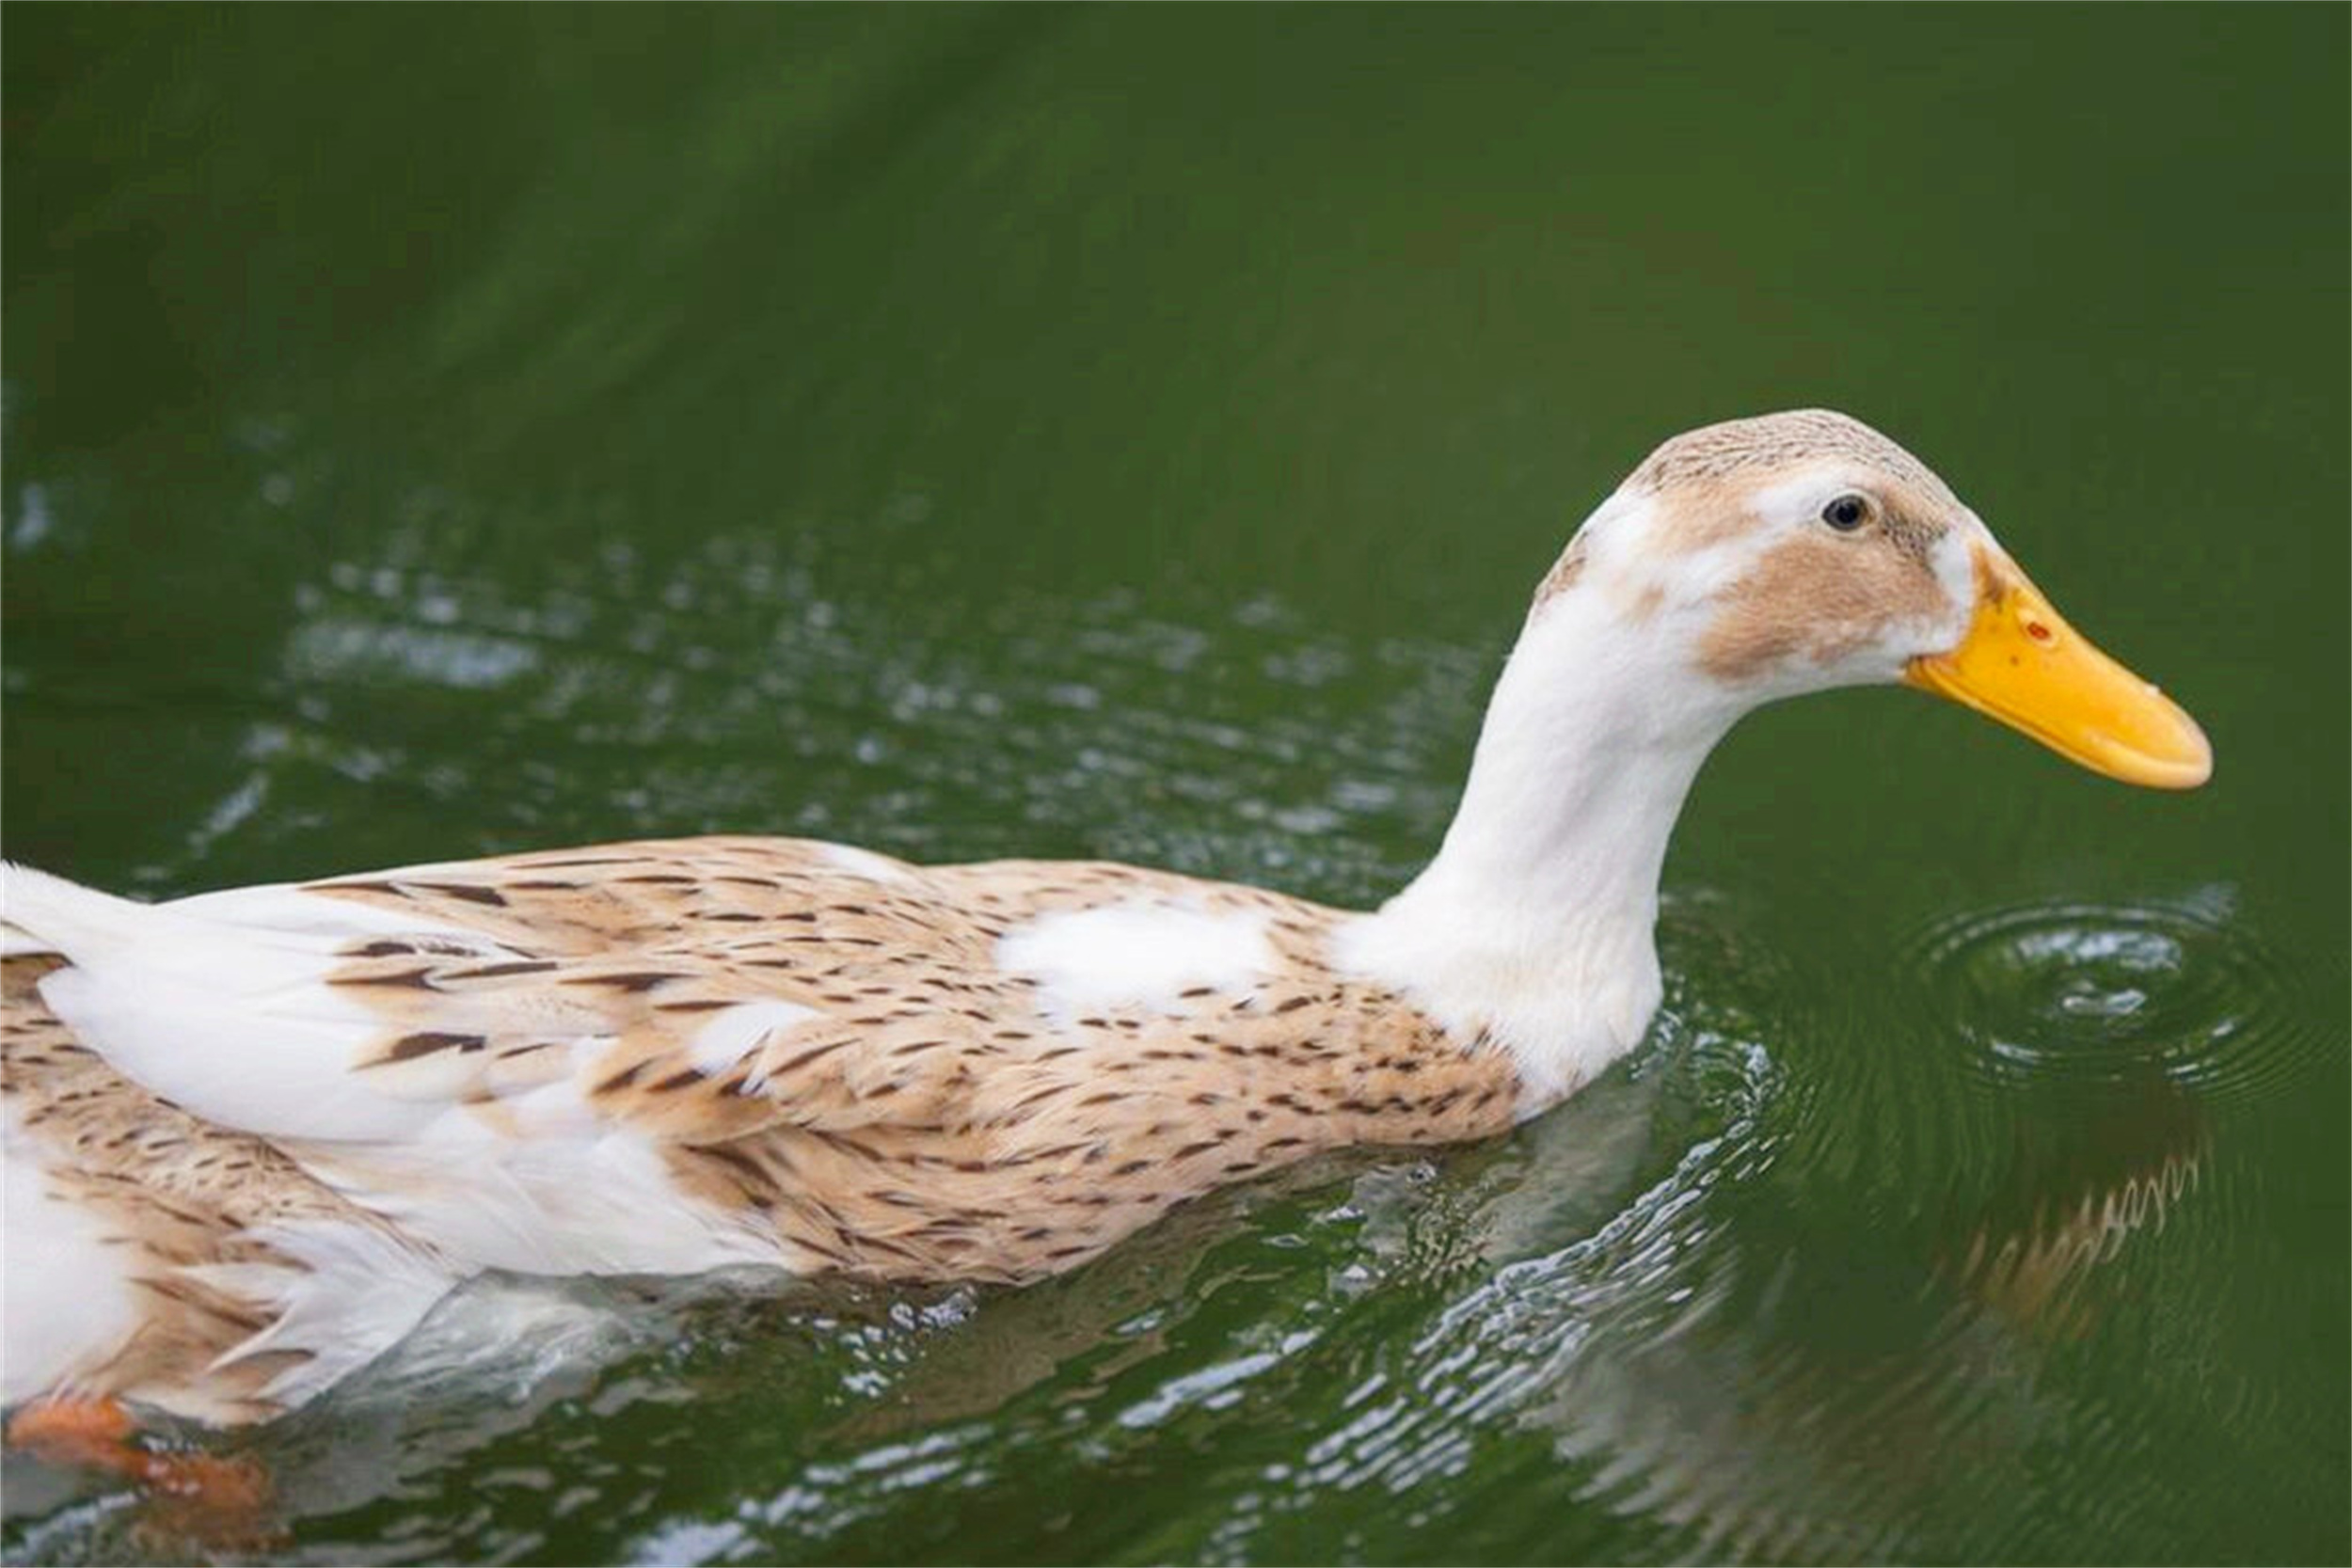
(1135, 433)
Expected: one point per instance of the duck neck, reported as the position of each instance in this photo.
(1533, 928)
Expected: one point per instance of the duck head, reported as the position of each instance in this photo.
(1738, 565)
(1795, 552)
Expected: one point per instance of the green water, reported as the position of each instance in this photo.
(1135, 433)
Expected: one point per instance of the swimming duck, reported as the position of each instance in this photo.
(253, 1135)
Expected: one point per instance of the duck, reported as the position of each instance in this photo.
(253, 1136)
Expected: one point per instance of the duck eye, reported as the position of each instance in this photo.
(1846, 513)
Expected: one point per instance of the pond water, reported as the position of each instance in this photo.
(1135, 433)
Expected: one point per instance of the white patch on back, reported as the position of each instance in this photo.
(736, 1031)
(69, 1301)
(1135, 955)
(865, 863)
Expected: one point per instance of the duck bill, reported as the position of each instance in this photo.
(2022, 664)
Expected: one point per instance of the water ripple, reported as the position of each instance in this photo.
(2103, 993)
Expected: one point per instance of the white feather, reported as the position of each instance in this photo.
(1534, 922)
(865, 863)
(68, 1302)
(221, 1002)
(734, 1033)
(348, 1293)
(599, 1201)
(1135, 954)
(16, 944)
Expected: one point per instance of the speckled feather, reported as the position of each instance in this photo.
(1774, 442)
(178, 1196)
(926, 1120)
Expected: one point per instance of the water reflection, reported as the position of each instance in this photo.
(2086, 1172)
(1710, 1394)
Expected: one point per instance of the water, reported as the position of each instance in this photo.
(1135, 433)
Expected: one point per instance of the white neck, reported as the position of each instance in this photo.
(1533, 925)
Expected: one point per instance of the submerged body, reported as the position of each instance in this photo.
(253, 1135)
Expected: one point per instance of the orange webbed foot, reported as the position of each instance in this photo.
(209, 1497)
(91, 1433)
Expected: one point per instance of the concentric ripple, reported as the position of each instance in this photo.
(2102, 992)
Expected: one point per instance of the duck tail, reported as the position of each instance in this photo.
(42, 914)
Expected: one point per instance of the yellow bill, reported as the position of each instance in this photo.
(2022, 664)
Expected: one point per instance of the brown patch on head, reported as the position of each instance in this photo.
(1698, 515)
(1739, 448)
(1819, 596)
(1701, 480)
(1704, 483)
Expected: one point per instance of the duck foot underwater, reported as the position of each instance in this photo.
(195, 1497)
(254, 1135)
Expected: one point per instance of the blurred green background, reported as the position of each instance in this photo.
(1133, 432)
